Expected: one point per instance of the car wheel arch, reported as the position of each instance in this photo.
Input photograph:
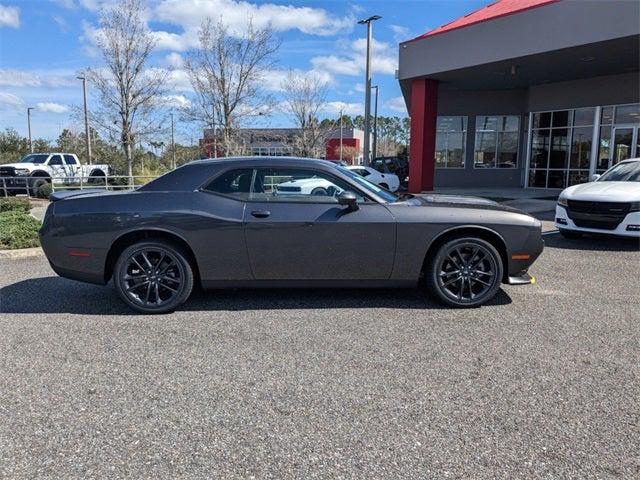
(40, 174)
(134, 236)
(491, 236)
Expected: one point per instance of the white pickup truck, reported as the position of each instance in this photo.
(37, 169)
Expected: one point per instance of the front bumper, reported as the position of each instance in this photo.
(563, 222)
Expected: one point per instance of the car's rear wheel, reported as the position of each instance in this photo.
(153, 277)
(569, 234)
(465, 272)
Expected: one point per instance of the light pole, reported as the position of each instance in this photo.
(86, 118)
(374, 150)
(341, 110)
(29, 127)
(173, 144)
(367, 87)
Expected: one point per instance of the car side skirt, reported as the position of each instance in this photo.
(224, 284)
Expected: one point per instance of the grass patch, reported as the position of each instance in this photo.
(18, 230)
(15, 205)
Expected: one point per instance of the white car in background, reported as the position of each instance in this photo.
(388, 181)
(610, 204)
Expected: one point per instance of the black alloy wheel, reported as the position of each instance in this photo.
(153, 277)
(465, 272)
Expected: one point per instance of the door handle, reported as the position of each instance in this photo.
(261, 213)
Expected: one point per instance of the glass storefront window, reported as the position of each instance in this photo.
(584, 116)
(627, 114)
(496, 142)
(606, 117)
(561, 118)
(451, 136)
(581, 147)
(542, 120)
(602, 162)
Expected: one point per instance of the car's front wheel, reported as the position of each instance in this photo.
(153, 277)
(464, 272)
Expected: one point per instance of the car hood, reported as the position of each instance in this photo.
(604, 191)
(460, 201)
(19, 165)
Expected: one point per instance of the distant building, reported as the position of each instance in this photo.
(279, 142)
(523, 93)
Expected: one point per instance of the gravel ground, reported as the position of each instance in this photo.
(371, 384)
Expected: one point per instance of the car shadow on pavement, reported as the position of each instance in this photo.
(59, 295)
(602, 243)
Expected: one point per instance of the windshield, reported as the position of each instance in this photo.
(367, 185)
(35, 158)
(623, 172)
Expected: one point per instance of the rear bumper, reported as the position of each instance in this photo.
(563, 222)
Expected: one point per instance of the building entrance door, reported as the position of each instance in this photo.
(625, 144)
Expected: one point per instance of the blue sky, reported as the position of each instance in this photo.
(43, 43)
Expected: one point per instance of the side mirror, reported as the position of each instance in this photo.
(349, 199)
(595, 177)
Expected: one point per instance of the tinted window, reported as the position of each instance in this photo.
(297, 185)
(70, 160)
(361, 171)
(55, 160)
(37, 158)
(235, 183)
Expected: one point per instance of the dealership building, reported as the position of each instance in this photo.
(524, 93)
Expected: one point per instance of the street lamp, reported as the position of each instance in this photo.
(367, 87)
(86, 118)
(29, 127)
(374, 150)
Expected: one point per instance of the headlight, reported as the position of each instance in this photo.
(562, 201)
(22, 171)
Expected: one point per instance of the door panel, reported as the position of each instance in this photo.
(319, 241)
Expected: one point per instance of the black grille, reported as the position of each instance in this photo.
(7, 171)
(602, 215)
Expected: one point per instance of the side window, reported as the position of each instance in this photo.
(70, 160)
(55, 160)
(234, 183)
(298, 185)
(364, 172)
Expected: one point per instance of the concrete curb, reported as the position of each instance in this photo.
(20, 253)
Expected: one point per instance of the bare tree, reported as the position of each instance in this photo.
(304, 98)
(129, 92)
(226, 73)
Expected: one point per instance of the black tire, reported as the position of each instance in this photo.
(35, 184)
(473, 262)
(385, 186)
(569, 234)
(153, 270)
(98, 178)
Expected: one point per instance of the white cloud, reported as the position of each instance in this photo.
(189, 14)
(37, 78)
(61, 22)
(174, 60)
(352, 61)
(51, 107)
(334, 108)
(275, 80)
(10, 100)
(176, 101)
(9, 16)
(400, 33)
(396, 104)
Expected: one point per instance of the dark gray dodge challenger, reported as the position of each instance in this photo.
(284, 222)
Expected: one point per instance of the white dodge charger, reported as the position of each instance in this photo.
(610, 204)
(388, 181)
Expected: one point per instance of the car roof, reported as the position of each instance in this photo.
(261, 160)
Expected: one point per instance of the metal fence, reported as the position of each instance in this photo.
(36, 186)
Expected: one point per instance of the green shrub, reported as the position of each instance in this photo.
(18, 230)
(15, 205)
(45, 191)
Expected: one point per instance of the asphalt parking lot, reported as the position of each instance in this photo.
(545, 382)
